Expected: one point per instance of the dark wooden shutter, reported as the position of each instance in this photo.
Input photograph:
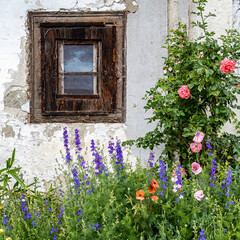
(52, 103)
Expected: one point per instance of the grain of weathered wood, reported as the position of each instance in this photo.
(108, 105)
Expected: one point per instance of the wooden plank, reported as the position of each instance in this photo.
(44, 73)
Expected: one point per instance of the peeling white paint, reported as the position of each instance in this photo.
(38, 145)
(25, 107)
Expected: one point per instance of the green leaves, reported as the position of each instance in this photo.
(196, 64)
(7, 173)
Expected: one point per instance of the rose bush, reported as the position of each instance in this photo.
(197, 95)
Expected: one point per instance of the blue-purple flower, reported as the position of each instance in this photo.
(228, 181)
(213, 172)
(100, 168)
(65, 137)
(162, 174)
(202, 237)
(151, 159)
(78, 149)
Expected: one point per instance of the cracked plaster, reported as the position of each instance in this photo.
(38, 145)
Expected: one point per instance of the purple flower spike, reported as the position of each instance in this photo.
(162, 174)
(208, 145)
(214, 168)
(78, 149)
(65, 136)
(228, 181)
(151, 159)
(100, 167)
(202, 237)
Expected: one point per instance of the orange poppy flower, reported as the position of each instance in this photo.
(154, 197)
(140, 194)
(151, 189)
(155, 184)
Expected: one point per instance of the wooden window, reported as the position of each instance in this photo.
(77, 69)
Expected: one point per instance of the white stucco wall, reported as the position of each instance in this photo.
(38, 145)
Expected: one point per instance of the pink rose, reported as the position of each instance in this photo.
(198, 137)
(196, 147)
(196, 168)
(227, 65)
(184, 92)
(199, 195)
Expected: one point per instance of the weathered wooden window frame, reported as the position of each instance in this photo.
(46, 105)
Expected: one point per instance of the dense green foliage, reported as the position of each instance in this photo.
(98, 201)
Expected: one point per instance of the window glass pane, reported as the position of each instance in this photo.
(79, 58)
(79, 84)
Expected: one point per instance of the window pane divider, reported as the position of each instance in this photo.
(79, 73)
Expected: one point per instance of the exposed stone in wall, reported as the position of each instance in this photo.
(15, 99)
(38, 145)
(7, 132)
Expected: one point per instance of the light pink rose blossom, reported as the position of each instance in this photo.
(199, 195)
(196, 147)
(227, 65)
(196, 168)
(184, 92)
(198, 137)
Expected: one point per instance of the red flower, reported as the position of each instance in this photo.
(184, 92)
(155, 184)
(140, 195)
(227, 65)
(151, 189)
(154, 197)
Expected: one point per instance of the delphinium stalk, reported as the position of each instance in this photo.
(60, 215)
(119, 156)
(78, 149)
(202, 237)
(76, 180)
(24, 208)
(54, 232)
(228, 182)
(151, 160)
(65, 137)
(151, 164)
(162, 176)
(179, 181)
(214, 165)
(100, 168)
(115, 150)
(111, 148)
(5, 222)
(213, 172)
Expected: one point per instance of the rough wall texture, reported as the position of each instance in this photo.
(38, 145)
(146, 33)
